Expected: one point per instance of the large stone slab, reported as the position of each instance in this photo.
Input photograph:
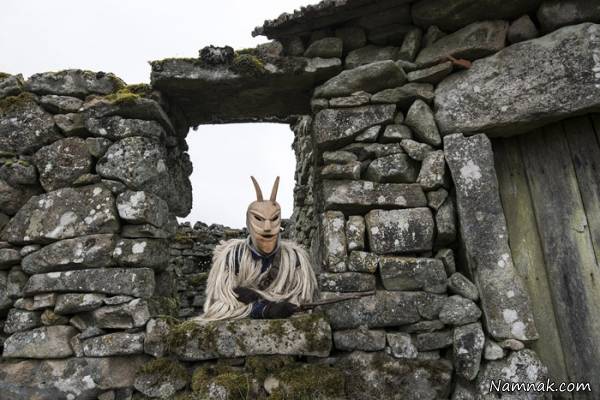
(474, 41)
(74, 82)
(137, 282)
(92, 251)
(526, 85)
(400, 231)
(306, 335)
(45, 342)
(334, 245)
(451, 15)
(63, 214)
(62, 162)
(410, 273)
(72, 378)
(554, 14)
(336, 127)
(362, 196)
(114, 344)
(380, 310)
(504, 298)
(370, 78)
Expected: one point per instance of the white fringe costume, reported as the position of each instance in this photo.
(295, 281)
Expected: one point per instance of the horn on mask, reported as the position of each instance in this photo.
(259, 195)
(274, 190)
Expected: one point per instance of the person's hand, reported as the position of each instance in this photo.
(275, 310)
(246, 295)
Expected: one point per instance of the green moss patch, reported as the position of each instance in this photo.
(309, 381)
(181, 333)
(235, 384)
(309, 324)
(122, 96)
(13, 104)
(248, 64)
(165, 369)
(4, 75)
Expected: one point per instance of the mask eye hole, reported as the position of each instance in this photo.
(275, 218)
(259, 218)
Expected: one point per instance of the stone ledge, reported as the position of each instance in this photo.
(301, 335)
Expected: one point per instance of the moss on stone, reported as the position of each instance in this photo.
(179, 334)
(4, 75)
(276, 328)
(309, 324)
(163, 306)
(262, 366)
(164, 368)
(12, 104)
(235, 383)
(141, 89)
(183, 238)
(309, 381)
(122, 96)
(198, 279)
(248, 64)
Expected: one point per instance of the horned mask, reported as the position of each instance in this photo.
(263, 219)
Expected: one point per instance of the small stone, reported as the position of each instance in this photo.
(47, 300)
(86, 179)
(334, 241)
(11, 85)
(9, 257)
(72, 303)
(369, 54)
(317, 105)
(405, 95)
(355, 233)
(522, 29)
(396, 168)
(50, 318)
(19, 172)
(423, 326)
(82, 321)
(142, 207)
(90, 332)
(432, 75)
(416, 150)
(359, 339)
(155, 342)
(97, 146)
(116, 128)
(447, 257)
(445, 223)
(411, 44)
(72, 124)
(134, 314)
(346, 282)
(420, 119)
(62, 162)
(44, 342)
(434, 340)
(114, 344)
(161, 378)
(115, 300)
(459, 284)
(355, 100)
(432, 35)
(60, 104)
(142, 253)
(15, 283)
(467, 349)
(435, 198)
(342, 171)
(328, 47)
(512, 344)
(396, 133)
(399, 118)
(492, 350)
(459, 311)
(369, 135)
(21, 320)
(400, 231)
(410, 273)
(338, 157)
(352, 37)
(27, 250)
(401, 345)
(361, 261)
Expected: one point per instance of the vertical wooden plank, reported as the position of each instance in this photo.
(527, 253)
(568, 251)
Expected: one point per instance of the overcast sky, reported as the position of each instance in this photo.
(121, 36)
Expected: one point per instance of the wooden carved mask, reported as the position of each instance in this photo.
(263, 219)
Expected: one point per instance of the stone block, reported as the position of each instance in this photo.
(114, 344)
(400, 231)
(410, 273)
(44, 342)
(359, 339)
(334, 241)
(346, 282)
(61, 163)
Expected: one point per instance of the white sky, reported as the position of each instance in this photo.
(121, 36)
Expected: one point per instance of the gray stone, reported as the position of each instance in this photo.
(369, 135)
(145, 231)
(504, 298)
(359, 339)
(49, 318)
(63, 214)
(399, 118)
(21, 320)
(13, 198)
(82, 322)
(92, 251)
(334, 241)
(329, 47)
(411, 44)
(433, 340)
(451, 15)
(445, 223)
(433, 175)
(366, 151)
(11, 85)
(474, 41)
(45, 342)
(28, 249)
(20, 172)
(9, 257)
(352, 37)
(72, 124)
(467, 349)
(72, 303)
(161, 379)
(115, 187)
(115, 300)
(355, 100)
(361, 196)
(346, 282)
(459, 311)
(423, 326)
(381, 310)
(522, 29)
(432, 35)
(142, 207)
(71, 378)
(74, 82)
(134, 314)
(459, 284)
(401, 345)
(518, 367)
(369, 78)
(381, 376)
(420, 119)
(554, 14)
(400, 231)
(338, 157)
(397, 168)
(369, 54)
(492, 350)
(336, 127)
(410, 273)
(447, 257)
(155, 341)
(396, 133)
(138, 282)
(361, 261)
(405, 95)
(512, 344)
(433, 74)
(416, 150)
(302, 335)
(25, 126)
(355, 232)
(97, 146)
(429, 305)
(341, 171)
(60, 104)
(116, 128)
(527, 92)
(15, 283)
(114, 344)
(5, 300)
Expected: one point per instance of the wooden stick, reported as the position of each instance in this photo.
(308, 306)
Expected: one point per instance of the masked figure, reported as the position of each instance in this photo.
(260, 276)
